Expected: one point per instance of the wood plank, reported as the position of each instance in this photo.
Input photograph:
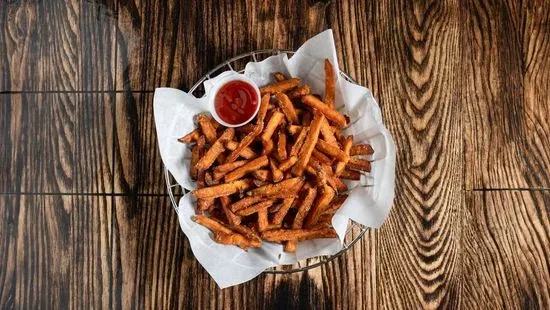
(506, 253)
(354, 25)
(93, 146)
(173, 44)
(48, 46)
(55, 251)
(536, 85)
(417, 55)
(424, 61)
(97, 56)
(506, 250)
(138, 166)
(56, 142)
(140, 251)
(506, 98)
(352, 279)
(172, 277)
(392, 50)
(149, 254)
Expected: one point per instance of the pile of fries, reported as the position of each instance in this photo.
(278, 178)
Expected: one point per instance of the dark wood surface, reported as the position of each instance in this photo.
(464, 87)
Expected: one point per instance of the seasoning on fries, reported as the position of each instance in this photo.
(282, 189)
(222, 170)
(193, 136)
(246, 168)
(298, 92)
(216, 149)
(235, 239)
(275, 172)
(329, 84)
(278, 76)
(246, 152)
(341, 165)
(350, 175)
(261, 175)
(287, 107)
(281, 146)
(288, 163)
(308, 146)
(361, 149)
(255, 208)
(222, 189)
(279, 178)
(328, 134)
(205, 124)
(280, 86)
(278, 235)
(358, 164)
(332, 115)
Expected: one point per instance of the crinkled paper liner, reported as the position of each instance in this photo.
(369, 206)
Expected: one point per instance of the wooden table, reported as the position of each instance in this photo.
(464, 87)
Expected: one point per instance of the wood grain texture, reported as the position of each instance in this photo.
(56, 142)
(416, 49)
(173, 43)
(354, 26)
(138, 166)
(506, 248)
(505, 74)
(148, 253)
(172, 277)
(57, 45)
(464, 89)
(104, 258)
(55, 252)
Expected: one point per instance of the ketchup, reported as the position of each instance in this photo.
(235, 102)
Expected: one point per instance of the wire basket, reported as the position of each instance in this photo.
(354, 231)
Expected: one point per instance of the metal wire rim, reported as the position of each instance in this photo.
(354, 230)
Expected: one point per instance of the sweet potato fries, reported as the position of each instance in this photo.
(280, 177)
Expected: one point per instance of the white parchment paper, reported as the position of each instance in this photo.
(229, 265)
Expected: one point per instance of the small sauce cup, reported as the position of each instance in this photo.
(234, 100)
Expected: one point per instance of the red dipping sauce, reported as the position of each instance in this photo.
(236, 102)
